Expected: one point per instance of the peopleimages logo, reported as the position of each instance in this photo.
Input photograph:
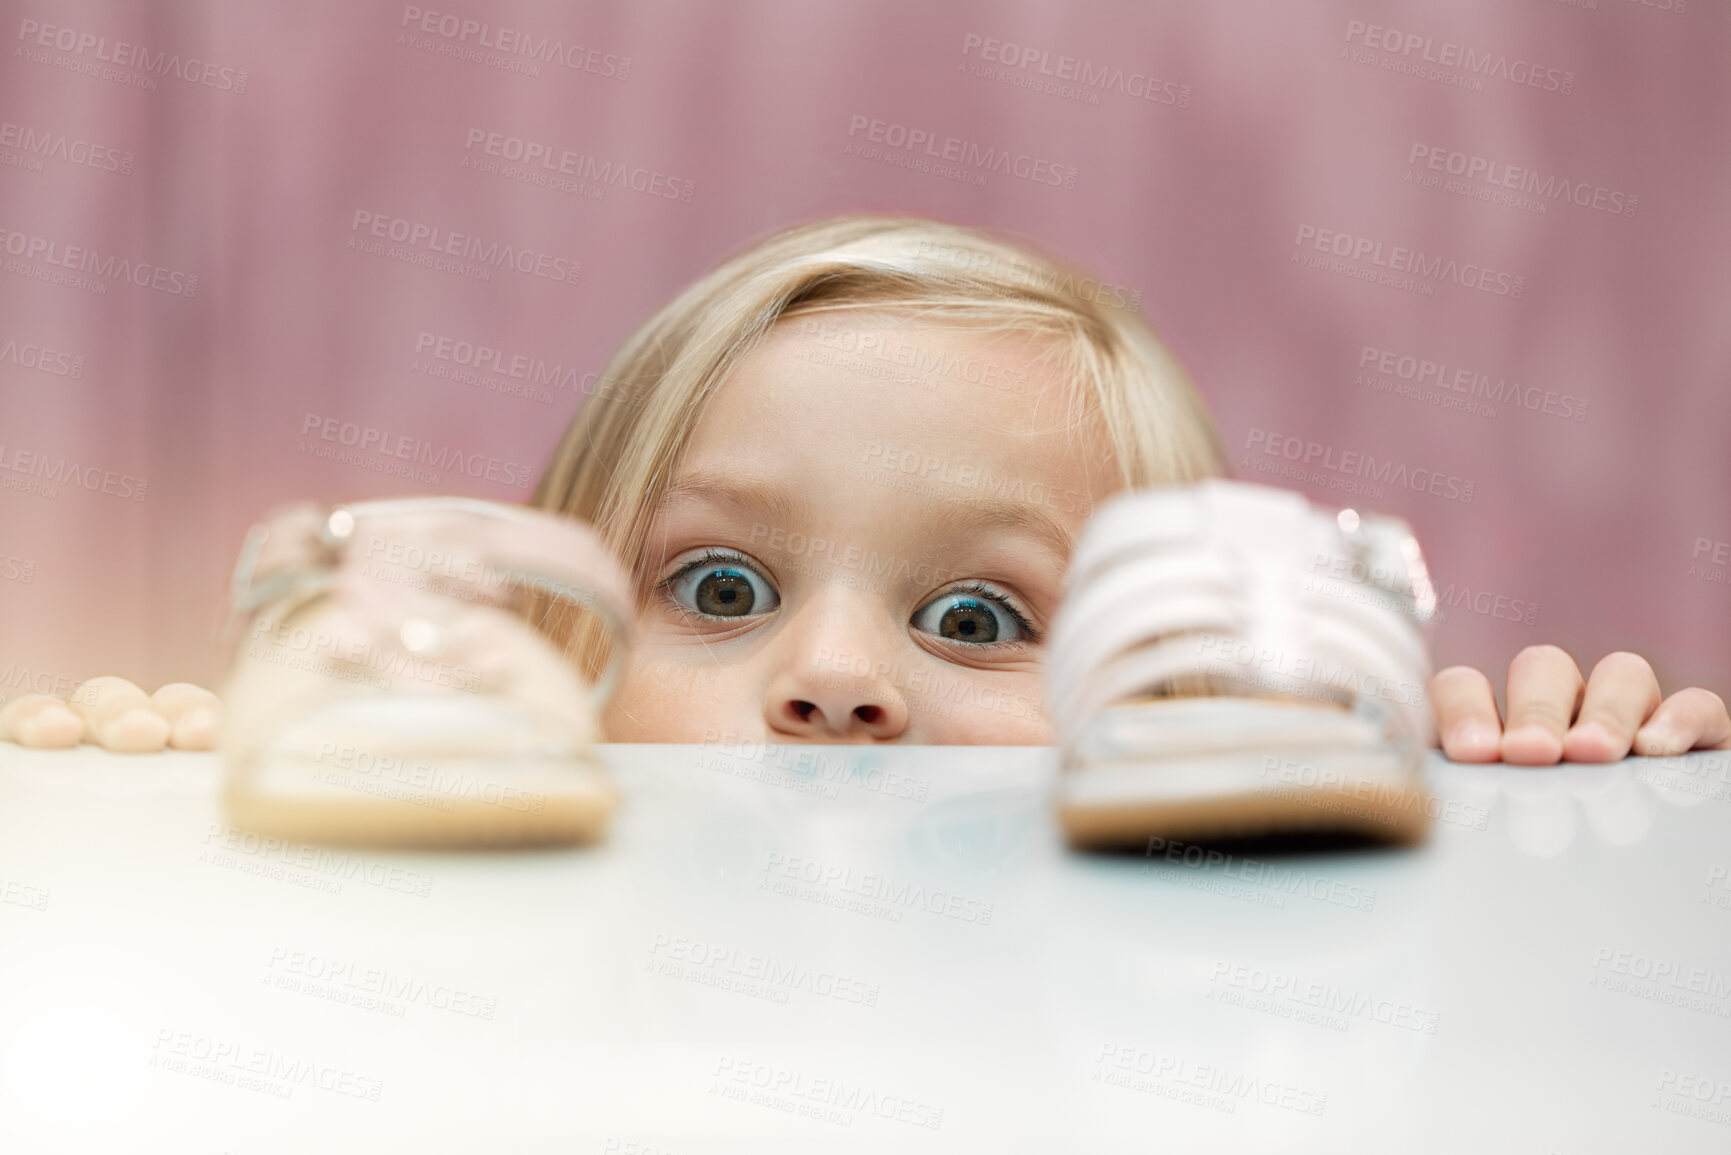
(464, 38)
(1414, 49)
(1267, 875)
(927, 469)
(41, 144)
(774, 973)
(1370, 255)
(1353, 463)
(1117, 1065)
(228, 1061)
(485, 358)
(1081, 79)
(927, 148)
(29, 247)
(371, 988)
(542, 162)
(41, 358)
(401, 446)
(830, 1099)
(874, 887)
(1472, 167)
(46, 472)
(1424, 372)
(80, 43)
(16, 679)
(970, 262)
(426, 242)
(1662, 980)
(924, 363)
(1277, 988)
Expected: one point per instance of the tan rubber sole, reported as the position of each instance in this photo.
(344, 818)
(1396, 817)
(1218, 767)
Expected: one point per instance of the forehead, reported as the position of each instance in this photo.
(909, 436)
(904, 383)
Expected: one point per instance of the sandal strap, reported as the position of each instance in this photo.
(1248, 584)
(303, 550)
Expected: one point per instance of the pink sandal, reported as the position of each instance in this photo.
(1230, 660)
(423, 671)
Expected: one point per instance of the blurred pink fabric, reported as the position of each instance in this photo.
(1482, 245)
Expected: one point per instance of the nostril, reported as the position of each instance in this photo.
(870, 715)
(803, 709)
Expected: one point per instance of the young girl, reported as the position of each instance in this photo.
(847, 468)
(848, 465)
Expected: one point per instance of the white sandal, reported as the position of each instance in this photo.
(422, 672)
(1310, 622)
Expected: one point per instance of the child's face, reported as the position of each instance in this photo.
(864, 547)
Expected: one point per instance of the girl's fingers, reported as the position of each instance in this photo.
(1621, 694)
(1544, 691)
(40, 720)
(1687, 720)
(1466, 715)
(1554, 714)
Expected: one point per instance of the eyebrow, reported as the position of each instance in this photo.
(970, 517)
(957, 518)
(770, 500)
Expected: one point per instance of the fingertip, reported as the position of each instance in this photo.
(1531, 746)
(1592, 742)
(1450, 676)
(195, 730)
(1472, 741)
(138, 731)
(54, 727)
(1658, 740)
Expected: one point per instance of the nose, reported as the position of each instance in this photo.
(836, 681)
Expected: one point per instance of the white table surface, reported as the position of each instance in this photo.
(1552, 973)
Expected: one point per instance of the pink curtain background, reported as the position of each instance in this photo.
(1546, 391)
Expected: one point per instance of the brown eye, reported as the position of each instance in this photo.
(968, 622)
(725, 594)
(975, 619)
(722, 586)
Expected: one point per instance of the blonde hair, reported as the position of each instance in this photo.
(619, 454)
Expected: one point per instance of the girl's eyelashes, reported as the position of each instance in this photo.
(720, 584)
(724, 585)
(975, 614)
